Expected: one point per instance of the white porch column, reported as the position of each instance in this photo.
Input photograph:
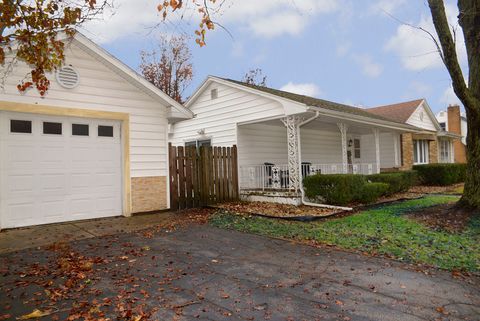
(343, 131)
(376, 135)
(395, 147)
(293, 138)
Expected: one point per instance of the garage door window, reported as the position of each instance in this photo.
(20, 126)
(105, 131)
(80, 130)
(52, 128)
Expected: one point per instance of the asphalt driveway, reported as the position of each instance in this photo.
(203, 273)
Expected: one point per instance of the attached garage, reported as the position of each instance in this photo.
(56, 169)
(92, 149)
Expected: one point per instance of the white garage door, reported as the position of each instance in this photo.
(55, 169)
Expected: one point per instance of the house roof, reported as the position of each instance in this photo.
(400, 112)
(315, 102)
(129, 74)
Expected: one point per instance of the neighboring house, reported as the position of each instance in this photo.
(282, 137)
(94, 146)
(429, 143)
(452, 120)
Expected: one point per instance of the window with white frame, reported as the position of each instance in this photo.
(356, 148)
(420, 151)
(445, 151)
(199, 143)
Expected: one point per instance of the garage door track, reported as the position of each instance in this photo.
(203, 273)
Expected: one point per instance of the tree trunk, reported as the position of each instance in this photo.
(469, 20)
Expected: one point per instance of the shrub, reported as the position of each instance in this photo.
(372, 191)
(335, 189)
(398, 181)
(441, 174)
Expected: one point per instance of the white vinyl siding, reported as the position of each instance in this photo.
(103, 89)
(421, 119)
(219, 117)
(420, 152)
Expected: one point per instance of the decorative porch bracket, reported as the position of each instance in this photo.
(343, 131)
(293, 139)
(376, 135)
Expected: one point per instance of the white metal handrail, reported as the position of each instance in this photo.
(277, 176)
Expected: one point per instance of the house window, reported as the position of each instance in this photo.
(420, 152)
(214, 93)
(199, 143)
(445, 151)
(51, 128)
(443, 126)
(356, 148)
(20, 126)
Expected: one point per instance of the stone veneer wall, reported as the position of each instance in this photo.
(407, 151)
(433, 151)
(149, 194)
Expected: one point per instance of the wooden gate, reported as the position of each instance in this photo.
(201, 177)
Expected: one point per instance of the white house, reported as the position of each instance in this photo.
(94, 146)
(283, 136)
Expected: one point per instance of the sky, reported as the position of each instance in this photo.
(358, 52)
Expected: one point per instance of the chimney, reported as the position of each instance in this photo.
(453, 119)
(455, 126)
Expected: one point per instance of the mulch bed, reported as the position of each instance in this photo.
(420, 189)
(276, 210)
(445, 217)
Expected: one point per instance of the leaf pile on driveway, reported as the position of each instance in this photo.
(277, 210)
(76, 282)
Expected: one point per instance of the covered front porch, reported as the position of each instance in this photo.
(276, 154)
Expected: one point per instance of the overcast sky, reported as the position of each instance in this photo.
(347, 51)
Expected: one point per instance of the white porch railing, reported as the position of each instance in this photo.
(276, 176)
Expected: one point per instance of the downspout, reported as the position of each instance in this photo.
(302, 191)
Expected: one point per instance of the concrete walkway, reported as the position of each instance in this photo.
(41, 235)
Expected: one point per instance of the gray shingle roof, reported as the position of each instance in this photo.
(315, 102)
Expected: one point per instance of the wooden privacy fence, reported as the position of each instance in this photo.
(201, 177)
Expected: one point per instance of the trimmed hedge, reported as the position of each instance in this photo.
(372, 191)
(336, 189)
(397, 181)
(441, 174)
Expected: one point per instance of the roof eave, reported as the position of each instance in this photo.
(364, 119)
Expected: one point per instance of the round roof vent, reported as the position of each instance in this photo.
(68, 77)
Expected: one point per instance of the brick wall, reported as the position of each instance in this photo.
(149, 194)
(407, 151)
(454, 126)
(433, 151)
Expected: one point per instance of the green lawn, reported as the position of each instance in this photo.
(383, 231)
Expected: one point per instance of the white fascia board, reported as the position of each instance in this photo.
(364, 120)
(129, 73)
(291, 106)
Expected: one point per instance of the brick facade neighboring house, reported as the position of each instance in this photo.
(430, 143)
(453, 121)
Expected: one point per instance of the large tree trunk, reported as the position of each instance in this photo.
(469, 19)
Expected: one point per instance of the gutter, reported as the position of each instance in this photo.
(302, 190)
(364, 119)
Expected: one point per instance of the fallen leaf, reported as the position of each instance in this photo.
(35, 314)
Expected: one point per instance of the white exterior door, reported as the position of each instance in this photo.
(56, 169)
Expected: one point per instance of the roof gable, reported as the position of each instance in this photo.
(295, 100)
(400, 112)
(424, 118)
(129, 74)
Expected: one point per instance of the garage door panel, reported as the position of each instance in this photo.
(48, 178)
(53, 183)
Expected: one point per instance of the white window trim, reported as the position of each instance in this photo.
(421, 148)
